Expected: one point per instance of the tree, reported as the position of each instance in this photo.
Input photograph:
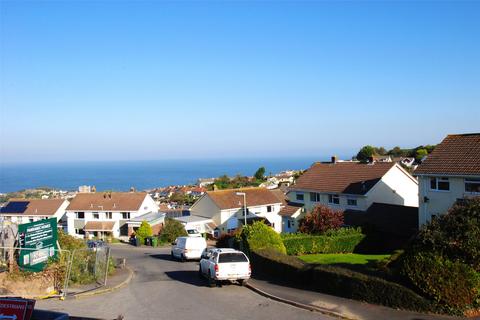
(365, 153)
(172, 230)
(321, 220)
(380, 151)
(259, 236)
(396, 152)
(260, 174)
(420, 154)
(144, 231)
(443, 260)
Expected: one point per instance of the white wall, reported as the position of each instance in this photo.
(439, 202)
(395, 187)
(205, 207)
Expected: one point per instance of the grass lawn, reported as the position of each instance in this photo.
(343, 258)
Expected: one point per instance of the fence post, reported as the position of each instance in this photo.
(67, 275)
(106, 266)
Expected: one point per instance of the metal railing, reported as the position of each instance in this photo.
(77, 270)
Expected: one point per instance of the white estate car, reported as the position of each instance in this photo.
(224, 264)
(186, 248)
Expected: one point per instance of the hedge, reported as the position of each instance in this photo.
(450, 283)
(338, 281)
(341, 241)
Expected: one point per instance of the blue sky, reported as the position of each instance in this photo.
(128, 80)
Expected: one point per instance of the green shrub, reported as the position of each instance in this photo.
(337, 281)
(455, 235)
(259, 236)
(335, 241)
(172, 230)
(144, 231)
(449, 283)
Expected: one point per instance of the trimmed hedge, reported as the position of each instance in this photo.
(340, 241)
(450, 283)
(338, 281)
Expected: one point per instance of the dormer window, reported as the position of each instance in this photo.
(439, 184)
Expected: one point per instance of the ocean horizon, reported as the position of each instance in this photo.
(142, 175)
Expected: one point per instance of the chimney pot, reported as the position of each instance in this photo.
(334, 159)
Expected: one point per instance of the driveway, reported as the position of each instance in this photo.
(166, 289)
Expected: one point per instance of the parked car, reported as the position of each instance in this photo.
(187, 248)
(223, 264)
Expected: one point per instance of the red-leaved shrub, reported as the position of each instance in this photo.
(321, 220)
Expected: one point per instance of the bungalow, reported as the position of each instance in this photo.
(106, 213)
(18, 211)
(226, 208)
(451, 173)
(349, 186)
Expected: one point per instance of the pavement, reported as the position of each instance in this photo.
(120, 278)
(336, 306)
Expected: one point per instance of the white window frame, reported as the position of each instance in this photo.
(93, 215)
(474, 181)
(315, 197)
(76, 214)
(109, 215)
(352, 199)
(437, 180)
(127, 214)
(332, 197)
(297, 194)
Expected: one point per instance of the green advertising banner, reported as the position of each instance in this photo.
(40, 238)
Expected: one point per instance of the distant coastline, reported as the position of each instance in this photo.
(122, 175)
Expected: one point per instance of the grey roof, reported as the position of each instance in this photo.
(149, 217)
(192, 218)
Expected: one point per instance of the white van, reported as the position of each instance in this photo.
(186, 248)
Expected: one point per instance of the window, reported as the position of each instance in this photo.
(300, 196)
(472, 185)
(80, 215)
(108, 215)
(269, 208)
(333, 199)
(439, 184)
(289, 224)
(232, 257)
(31, 219)
(352, 202)
(79, 231)
(125, 215)
(314, 197)
(95, 215)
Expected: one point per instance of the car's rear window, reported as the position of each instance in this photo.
(232, 257)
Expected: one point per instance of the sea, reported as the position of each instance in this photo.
(142, 175)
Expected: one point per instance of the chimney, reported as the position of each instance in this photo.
(334, 159)
(371, 160)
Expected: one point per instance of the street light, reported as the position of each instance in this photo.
(244, 204)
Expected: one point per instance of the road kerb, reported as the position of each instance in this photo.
(105, 290)
(298, 304)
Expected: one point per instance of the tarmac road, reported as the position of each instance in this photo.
(165, 289)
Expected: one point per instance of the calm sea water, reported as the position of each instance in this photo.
(120, 176)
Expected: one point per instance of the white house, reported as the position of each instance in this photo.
(350, 186)
(18, 211)
(226, 208)
(450, 173)
(106, 213)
